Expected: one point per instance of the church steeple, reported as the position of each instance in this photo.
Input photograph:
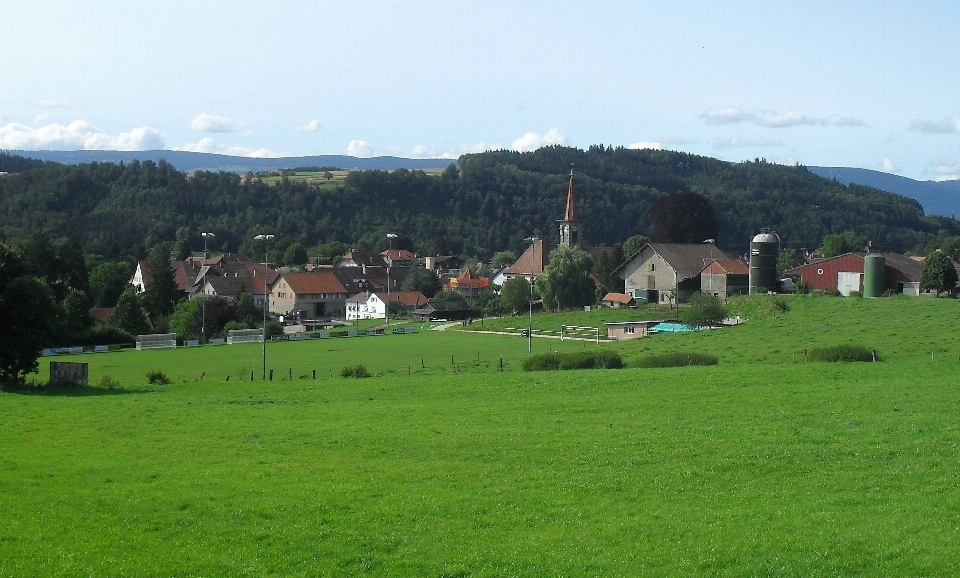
(570, 233)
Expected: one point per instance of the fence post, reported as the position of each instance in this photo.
(271, 375)
(289, 373)
(873, 352)
(314, 374)
(251, 376)
(805, 355)
(501, 363)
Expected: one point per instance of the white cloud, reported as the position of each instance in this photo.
(359, 148)
(77, 135)
(737, 142)
(949, 125)
(837, 120)
(532, 141)
(889, 166)
(729, 115)
(143, 138)
(50, 103)
(945, 170)
(773, 119)
(312, 126)
(672, 139)
(211, 123)
(208, 145)
(41, 118)
(646, 145)
(420, 152)
(453, 152)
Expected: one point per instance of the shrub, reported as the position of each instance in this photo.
(273, 328)
(108, 382)
(704, 310)
(575, 360)
(678, 359)
(355, 371)
(841, 353)
(157, 378)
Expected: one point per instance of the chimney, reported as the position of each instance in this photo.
(364, 268)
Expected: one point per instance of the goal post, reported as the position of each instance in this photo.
(157, 341)
(244, 336)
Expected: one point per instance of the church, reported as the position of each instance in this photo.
(537, 256)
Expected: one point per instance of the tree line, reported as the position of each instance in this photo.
(486, 203)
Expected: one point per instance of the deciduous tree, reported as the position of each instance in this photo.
(28, 316)
(938, 273)
(566, 281)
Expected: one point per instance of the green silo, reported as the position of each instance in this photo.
(874, 265)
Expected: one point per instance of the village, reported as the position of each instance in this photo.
(369, 285)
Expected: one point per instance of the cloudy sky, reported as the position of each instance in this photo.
(862, 84)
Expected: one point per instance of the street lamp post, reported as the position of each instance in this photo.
(386, 309)
(532, 241)
(203, 304)
(266, 274)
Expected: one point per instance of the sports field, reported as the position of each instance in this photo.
(761, 465)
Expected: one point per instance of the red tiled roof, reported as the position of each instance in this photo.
(399, 255)
(319, 281)
(730, 266)
(621, 298)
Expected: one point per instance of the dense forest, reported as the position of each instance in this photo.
(487, 202)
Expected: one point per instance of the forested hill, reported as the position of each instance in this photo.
(491, 203)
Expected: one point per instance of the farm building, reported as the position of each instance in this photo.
(656, 270)
(901, 274)
(621, 330)
(617, 300)
(443, 310)
(725, 278)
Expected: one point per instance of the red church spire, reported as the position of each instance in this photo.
(571, 213)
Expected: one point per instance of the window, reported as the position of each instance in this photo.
(630, 330)
(653, 267)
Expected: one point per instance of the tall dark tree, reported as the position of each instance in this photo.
(128, 315)
(77, 313)
(684, 218)
(108, 279)
(422, 280)
(161, 292)
(28, 316)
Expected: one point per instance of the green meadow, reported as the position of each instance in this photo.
(763, 465)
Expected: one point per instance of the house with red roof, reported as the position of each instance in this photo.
(314, 295)
(725, 278)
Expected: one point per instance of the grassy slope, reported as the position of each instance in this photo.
(755, 466)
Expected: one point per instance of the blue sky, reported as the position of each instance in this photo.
(862, 84)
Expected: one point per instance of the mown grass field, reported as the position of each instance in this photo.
(761, 465)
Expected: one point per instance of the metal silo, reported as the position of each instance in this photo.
(874, 265)
(764, 250)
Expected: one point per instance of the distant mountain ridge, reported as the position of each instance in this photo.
(190, 161)
(937, 198)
